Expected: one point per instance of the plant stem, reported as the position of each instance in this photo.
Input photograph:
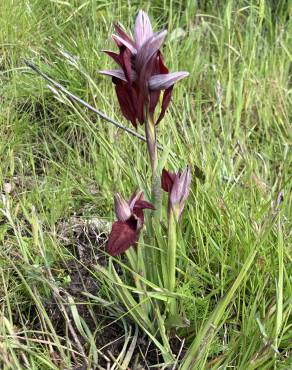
(154, 222)
(171, 255)
(153, 154)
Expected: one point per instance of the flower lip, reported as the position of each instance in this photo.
(126, 230)
(122, 236)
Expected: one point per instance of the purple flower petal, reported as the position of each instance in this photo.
(128, 102)
(148, 49)
(119, 40)
(123, 34)
(127, 65)
(161, 66)
(139, 206)
(181, 188)
(122, 209)
(124, 61)
(153, 101)
(137, 195)
(167, 180)
(143, 204)
(158, 68)
(118, 73)
(186, 178)
(115, 56)
(164, 81)
(165, 103)
(143, 28)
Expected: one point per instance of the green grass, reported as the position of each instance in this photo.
(61, 164)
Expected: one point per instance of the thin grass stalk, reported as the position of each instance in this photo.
(279, 313)
(139, 284)
(206, 333)
(102, 115)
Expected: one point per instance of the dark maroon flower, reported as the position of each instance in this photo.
(178, 187)
(142, 74)
(126, 230)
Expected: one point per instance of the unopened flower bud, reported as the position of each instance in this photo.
(178, 187)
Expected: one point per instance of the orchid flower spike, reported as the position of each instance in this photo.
(130, 220)
(178, 187)
(142, 74)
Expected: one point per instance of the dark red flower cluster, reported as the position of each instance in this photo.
(142, 74)
(126, 230)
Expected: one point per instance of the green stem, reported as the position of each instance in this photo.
(154, 223)
(153, 154)
(171, 255)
